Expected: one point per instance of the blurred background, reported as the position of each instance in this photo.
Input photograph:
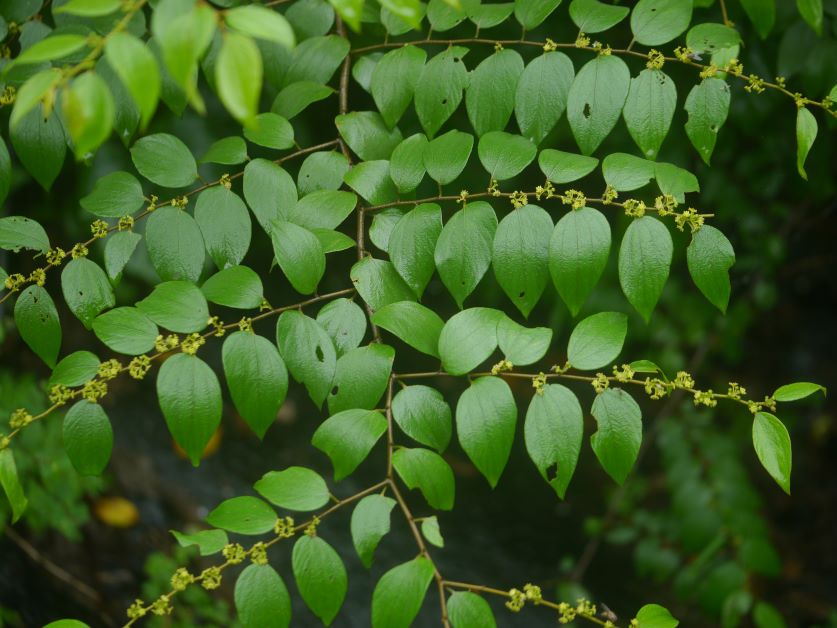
(698, 526)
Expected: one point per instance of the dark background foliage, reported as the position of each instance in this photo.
(697, 521)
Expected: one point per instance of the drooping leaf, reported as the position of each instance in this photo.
(439, 88)
(486, 415)
(597, 340)
(522, 345)
(424, 415)
(299, 254)
(553, 431)
(595, 100)
(345, 322)
(773, 448)
(707, 106)
(261, 22)
(412, 245)
(427, 471)
(644, 262)
(490, 96)
(649, 108)
(88, 437)
(616, 442)
(806, 133)
(40, 145)
(137, 68)
(656, 22)
(175, 244)
(348, 437)
(394, 81)
(225, 225)
(379, 284)
(541, 95)
(237, 286)
(37, 323)
(190, 398)
(308, 353)
(11, 484)
(262, 599)
(406, 165)
(257, 378)
(360, 377)
(504, 155)
(320, 576)
(413, 323)
(86, 289)
(370, 523)
(126, 330)
(446, 156)
(710, 256)
(400, 593)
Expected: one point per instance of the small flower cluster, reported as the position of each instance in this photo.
(600, 383)
(494, 188)
(20, 418)
(538, 383)
(609, 195)
(284, 528)
(705, 398)
(78, 250)
(99, 229)
(180, 202)
(758, 406)
(109, 369)
(126, 223)
(503, 366)
(689, 217)
(634, 208)
(311, 528)
(218, 325)
(519, 199)
(225, 180)
(234, 553)
(657, 388)
(55, 256)
(624, 373)
(94, 390)
(464, 194)
(709, 71)
(684, 54)
(139, 366)
(517, 598)
(192, 343)
(574, 198)
(152, 203)
(59, 394)
(38, 277)
(603, 50)
(264, 305)
(755, 84)
(656, 60)
(210, 578)
(582, 41)
(246, 324)
(181, 579)
(549, 45)
(166, 343)
(14, 281)
(258, 553)
(547, 190)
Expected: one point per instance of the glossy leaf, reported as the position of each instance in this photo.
(468, 339)
(707, 105)
(806, 133)
(178, 306)
(649, 108)
(424, 415)
(773, 448)
(345, 322)
(165, 160)
(394, 81)
(348, 437)
(439, 88)
(262, 599)
(469, 610)
(320, 576)
(413, 323)
(597, 340)
(86, 289)
(656, 22)
(504, 155)
(370, 523)
(75, 369)
(379, 284)
(400, 592)
(541, 94)
(616, 442)
(295, 488)
(308, 353)
(644, 262)
(522, 345)
(175, 244)
(446, 156)
(710, 256)
(37, 323)
(595, 100)
(412, 245)
(360, 377)
(561, 167)
(299, 254)
(116, 194)
(490, 96)
(126, 330)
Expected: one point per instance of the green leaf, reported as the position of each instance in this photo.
(296, 488)
(773, 448)
(367, 135)
(644, 262)
(242, 515)
(350, 11)
(383, 222)
(648, 110)
(394, 81)
(541, 94)
(596, 98)
(175, 244)
(163, 159)
(798, 390)
(238, 78)
(126, 330)
(427, 471)
(262, 23)
(812, 12)
(710, 37)
(578, 252)
(19, 232)
(504, 155)
(553, 431)
(674, 180)
(463, 250)
(468, 339)
(89, 8)
(5, 171)
(490, 96)
(348, 437)
(522, 345)
(710, 256)
(208, 542)
(424, 415)
(486, 415)
(178, 306)
(446, 156)
(308, 353)
(413, 323)
(379, 284)
(624, 172)
(40, 145)
(592, 16)
(560, 167)
(806, 133)
(400, 593)
(324, 209)
(655, 616)
(224, 225)
(406, 165)
(88, 437)
(237, 286)
(655, 22)
(332, 241)
(345, 322)
(30, 95)
(118, 251)
(320, 576)
(360, 377)
(86, 289)
(89, 113)
(430, 530)
(228, 151)
(316, 59)
(490, 15)
(707, 106)
(322, 171)
(190, 398)
(51, 48)
(520, 255)
(531, 13)
(439, 88)
(113, 195)
(269, 190)
(371, 180)
(597, 340)
(616, 442)
(37, 323)
(299, 254)
(762, 14)
(271, 131)
(257, 378)
(137, 68)
(412, 244)
(75, 369)
(11, 484)
(370, 523)
(296, 97)
(262, 599)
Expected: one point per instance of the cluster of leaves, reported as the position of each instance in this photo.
(97, 72)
